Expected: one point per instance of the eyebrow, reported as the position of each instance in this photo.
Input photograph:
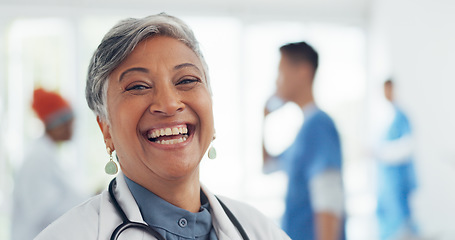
(184, 65)
(135, 69)
(145, 70)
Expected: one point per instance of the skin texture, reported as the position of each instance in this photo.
(160, 84)
(295, 84)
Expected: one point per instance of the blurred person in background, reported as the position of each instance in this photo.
(149, 87)
(315, 200)
(42, 191)
(396, 176)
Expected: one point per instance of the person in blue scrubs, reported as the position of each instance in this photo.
(314, 200)
(396, 176)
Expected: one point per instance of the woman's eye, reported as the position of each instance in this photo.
(188, 81)
(136, 87)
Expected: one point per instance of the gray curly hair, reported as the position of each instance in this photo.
(120, 41)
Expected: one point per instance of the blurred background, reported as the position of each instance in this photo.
(361, 43)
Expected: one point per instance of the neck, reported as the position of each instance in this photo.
(183, 193)
(305, 98)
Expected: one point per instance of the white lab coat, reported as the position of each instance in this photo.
(42, 191)
(97, 219)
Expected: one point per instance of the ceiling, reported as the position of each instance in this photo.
(348, 11)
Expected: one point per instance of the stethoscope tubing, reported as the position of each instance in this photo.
(130, 224)
(126, 222)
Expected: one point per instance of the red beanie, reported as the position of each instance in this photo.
(51, 108)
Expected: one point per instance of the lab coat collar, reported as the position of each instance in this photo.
(111, 219)
(125, 198)
(224, 228)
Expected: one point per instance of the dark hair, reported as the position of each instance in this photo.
(388, 82)
(301, 51)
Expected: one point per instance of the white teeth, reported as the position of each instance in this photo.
(167, 132)
(175, 131)
(172, 141)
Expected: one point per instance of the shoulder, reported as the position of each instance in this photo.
(320, 124)
(81, 222)
(400, 115)
(256, 224)
(321, 118)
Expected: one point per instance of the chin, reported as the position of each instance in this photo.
(179, 168)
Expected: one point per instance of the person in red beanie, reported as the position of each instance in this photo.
(55, 112)
(42, 191)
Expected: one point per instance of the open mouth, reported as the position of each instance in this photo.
(169, 135)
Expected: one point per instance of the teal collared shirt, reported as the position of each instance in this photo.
(172, 222)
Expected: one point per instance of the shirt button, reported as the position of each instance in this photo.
(183, 222)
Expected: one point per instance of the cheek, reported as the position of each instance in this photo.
(207, 115)
(284, 84)
(203, 108)
(124, 121)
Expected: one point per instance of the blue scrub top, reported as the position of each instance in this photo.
(395, 184)
(400, 125)
(316, 149)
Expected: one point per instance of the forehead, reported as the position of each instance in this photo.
(160, 49)
(159, 54)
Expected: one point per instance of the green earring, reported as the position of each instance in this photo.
(212, 153)
(111, 167)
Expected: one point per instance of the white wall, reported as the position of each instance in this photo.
(413, 40)
(234, 36)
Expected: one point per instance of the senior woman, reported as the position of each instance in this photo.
(148, 85)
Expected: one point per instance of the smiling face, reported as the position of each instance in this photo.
(160, 112)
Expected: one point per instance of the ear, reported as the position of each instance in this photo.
(105, 130)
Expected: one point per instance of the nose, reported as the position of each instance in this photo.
(166, 102)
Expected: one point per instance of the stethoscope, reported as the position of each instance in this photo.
(127, 224)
